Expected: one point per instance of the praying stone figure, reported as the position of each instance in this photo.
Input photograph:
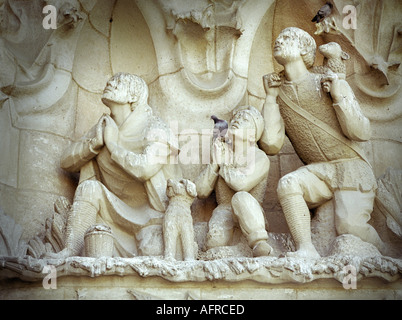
(124, 162)
(323, 121)
(178, 230)
(238, 173)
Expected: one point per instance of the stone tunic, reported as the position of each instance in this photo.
(328, 157)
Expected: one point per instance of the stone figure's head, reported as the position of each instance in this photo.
(333, 50)
(293, 43)
(247, 123)
(183, 188)
(125, 88)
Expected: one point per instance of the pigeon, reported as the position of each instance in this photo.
(324, 12)
(221, 127)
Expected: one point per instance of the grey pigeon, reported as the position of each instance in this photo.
(324, 12)
(221, 127)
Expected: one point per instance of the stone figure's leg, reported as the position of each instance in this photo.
(352, 213)
(170, 234)
(296, 191)
(252, 223)
(220, 227)
(187, 238)
(82, 215)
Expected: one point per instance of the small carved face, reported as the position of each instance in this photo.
(286, 48)
(242, 126)
(114, 92)
(125, 88)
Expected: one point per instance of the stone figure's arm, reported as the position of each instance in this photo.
(353, 122)
(84, 150)
(142, 166)
(247, 177)
(206, 181)
(273, 136)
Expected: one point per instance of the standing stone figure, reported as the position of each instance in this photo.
(239, 178)
(124, 164)
(322, 128)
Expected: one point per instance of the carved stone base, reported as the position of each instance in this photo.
(263, 270)
(155, 279)
(352, 269)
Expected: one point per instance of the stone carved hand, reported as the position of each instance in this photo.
(331, 84)
(97, 142)
(111, 133)
(272, 83)
(221, 152)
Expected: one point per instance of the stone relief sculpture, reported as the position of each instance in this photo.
(210, 15)
(178, 230)
(125, 161)
(55, 234)
(239, 180)
(322, 129)
(202, 50)
(134, 209)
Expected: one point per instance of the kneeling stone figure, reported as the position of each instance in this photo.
(178, 222)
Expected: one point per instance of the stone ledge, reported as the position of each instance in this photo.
(264, 270)
(155, 288)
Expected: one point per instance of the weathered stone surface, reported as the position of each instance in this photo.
(198, 58)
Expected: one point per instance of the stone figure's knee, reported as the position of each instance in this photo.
(355, 224)
(349, 226)
(89, 190)
(288, 184)
(243, 201)
(343, 227)
(353, 211)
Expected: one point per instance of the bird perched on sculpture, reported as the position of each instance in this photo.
(220, 128)
(324, 12)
